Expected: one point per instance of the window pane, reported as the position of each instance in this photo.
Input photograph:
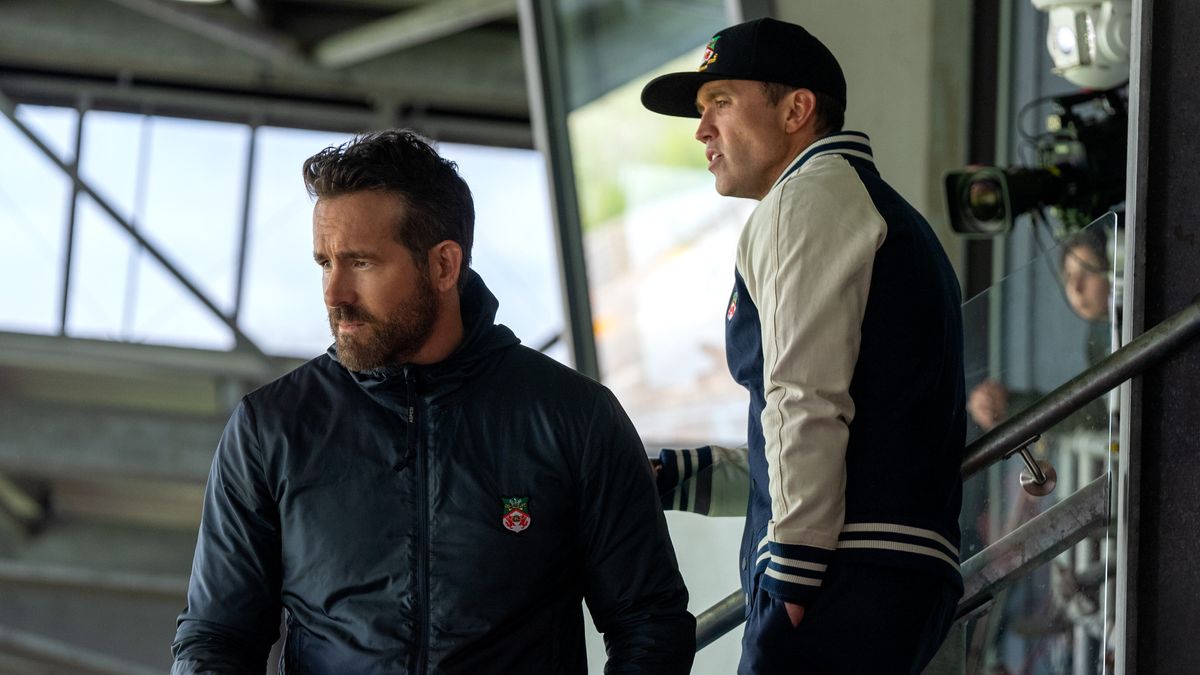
(180, 183)
(34, 198)
(514, 248)
(99, 275)
(282, 310)
(192, 208)
(660, 246)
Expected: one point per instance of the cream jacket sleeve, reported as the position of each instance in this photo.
(806, 257)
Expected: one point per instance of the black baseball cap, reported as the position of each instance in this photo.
(765, 50)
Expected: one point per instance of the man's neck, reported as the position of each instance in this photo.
(447, 334)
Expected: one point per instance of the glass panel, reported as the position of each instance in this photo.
(514, 248)
(1055, 321)
(99, 275)
(195, 175)
(282, 309)
(660, 245)
(34, 200)
(180, 183)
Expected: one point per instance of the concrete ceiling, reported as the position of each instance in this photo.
(452, 68)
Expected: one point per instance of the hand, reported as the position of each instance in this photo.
(656, 466)
(795, 612)
(988, 404)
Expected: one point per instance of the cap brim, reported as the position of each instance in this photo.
(675, 93)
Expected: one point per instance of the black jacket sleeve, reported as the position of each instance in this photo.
(631, 577)
(233, 605)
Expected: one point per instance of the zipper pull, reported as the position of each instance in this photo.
(408, 392)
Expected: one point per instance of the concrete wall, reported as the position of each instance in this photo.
(907, 67)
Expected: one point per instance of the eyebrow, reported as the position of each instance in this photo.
(344, 255)
(711, 94)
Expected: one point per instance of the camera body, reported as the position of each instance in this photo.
(1078, 173)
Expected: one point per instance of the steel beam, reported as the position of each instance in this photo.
(129, 584)
(241, 35)
(243, 341)
(60, 656)
(52, 443)
(547, 87)
(1034, 543)
(408, 29)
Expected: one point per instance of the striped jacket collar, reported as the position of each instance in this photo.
(845, 143)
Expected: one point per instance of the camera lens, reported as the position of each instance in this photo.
(985, 199)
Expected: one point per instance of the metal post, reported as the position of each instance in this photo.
(247, 197)
(546, 79)
(69, 254)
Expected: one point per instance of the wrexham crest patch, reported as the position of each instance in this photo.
(732, 306)
(516, 513)
(710, 54)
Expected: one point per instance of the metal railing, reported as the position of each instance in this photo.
(1060, 526)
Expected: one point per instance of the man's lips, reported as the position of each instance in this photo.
(712, 156)
(350, 326)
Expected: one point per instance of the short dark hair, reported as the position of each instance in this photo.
(830, 112)
(400, 162)
(1093, 239)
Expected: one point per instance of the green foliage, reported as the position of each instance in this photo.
(615, 133)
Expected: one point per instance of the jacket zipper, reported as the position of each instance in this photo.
(422, 529)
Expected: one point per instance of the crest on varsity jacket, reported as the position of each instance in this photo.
(710, 54)
(516, 513)
(732, 306)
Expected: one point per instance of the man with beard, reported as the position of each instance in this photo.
(429, 495)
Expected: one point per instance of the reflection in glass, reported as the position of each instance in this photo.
(1057, 619)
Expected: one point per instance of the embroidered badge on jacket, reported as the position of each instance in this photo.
(516, 513)
(732, 306)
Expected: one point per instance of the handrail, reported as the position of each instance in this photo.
(1033, 543)
(1141, 353)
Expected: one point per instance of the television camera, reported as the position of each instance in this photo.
(1077, 170)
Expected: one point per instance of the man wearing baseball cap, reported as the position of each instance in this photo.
(844, 326)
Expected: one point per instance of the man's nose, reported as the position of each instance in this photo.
(704, 130)
(339, 288)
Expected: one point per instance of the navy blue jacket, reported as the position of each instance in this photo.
(844, 326)
(440, 519)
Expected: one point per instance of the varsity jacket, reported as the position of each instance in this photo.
(844, 326)
(449, 518)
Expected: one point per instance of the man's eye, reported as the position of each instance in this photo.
(361, 264)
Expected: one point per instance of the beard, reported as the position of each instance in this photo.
(391, 340)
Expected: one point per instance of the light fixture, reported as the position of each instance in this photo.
(1089, 40)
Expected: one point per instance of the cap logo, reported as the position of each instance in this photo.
(710, 54)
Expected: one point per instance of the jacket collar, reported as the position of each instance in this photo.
(483, 339)
(849, 144)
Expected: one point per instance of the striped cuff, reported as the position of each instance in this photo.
(675, 485)
(794, 572)
(895, 543)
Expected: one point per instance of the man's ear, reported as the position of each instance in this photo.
(445, 265)
(801, 110)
